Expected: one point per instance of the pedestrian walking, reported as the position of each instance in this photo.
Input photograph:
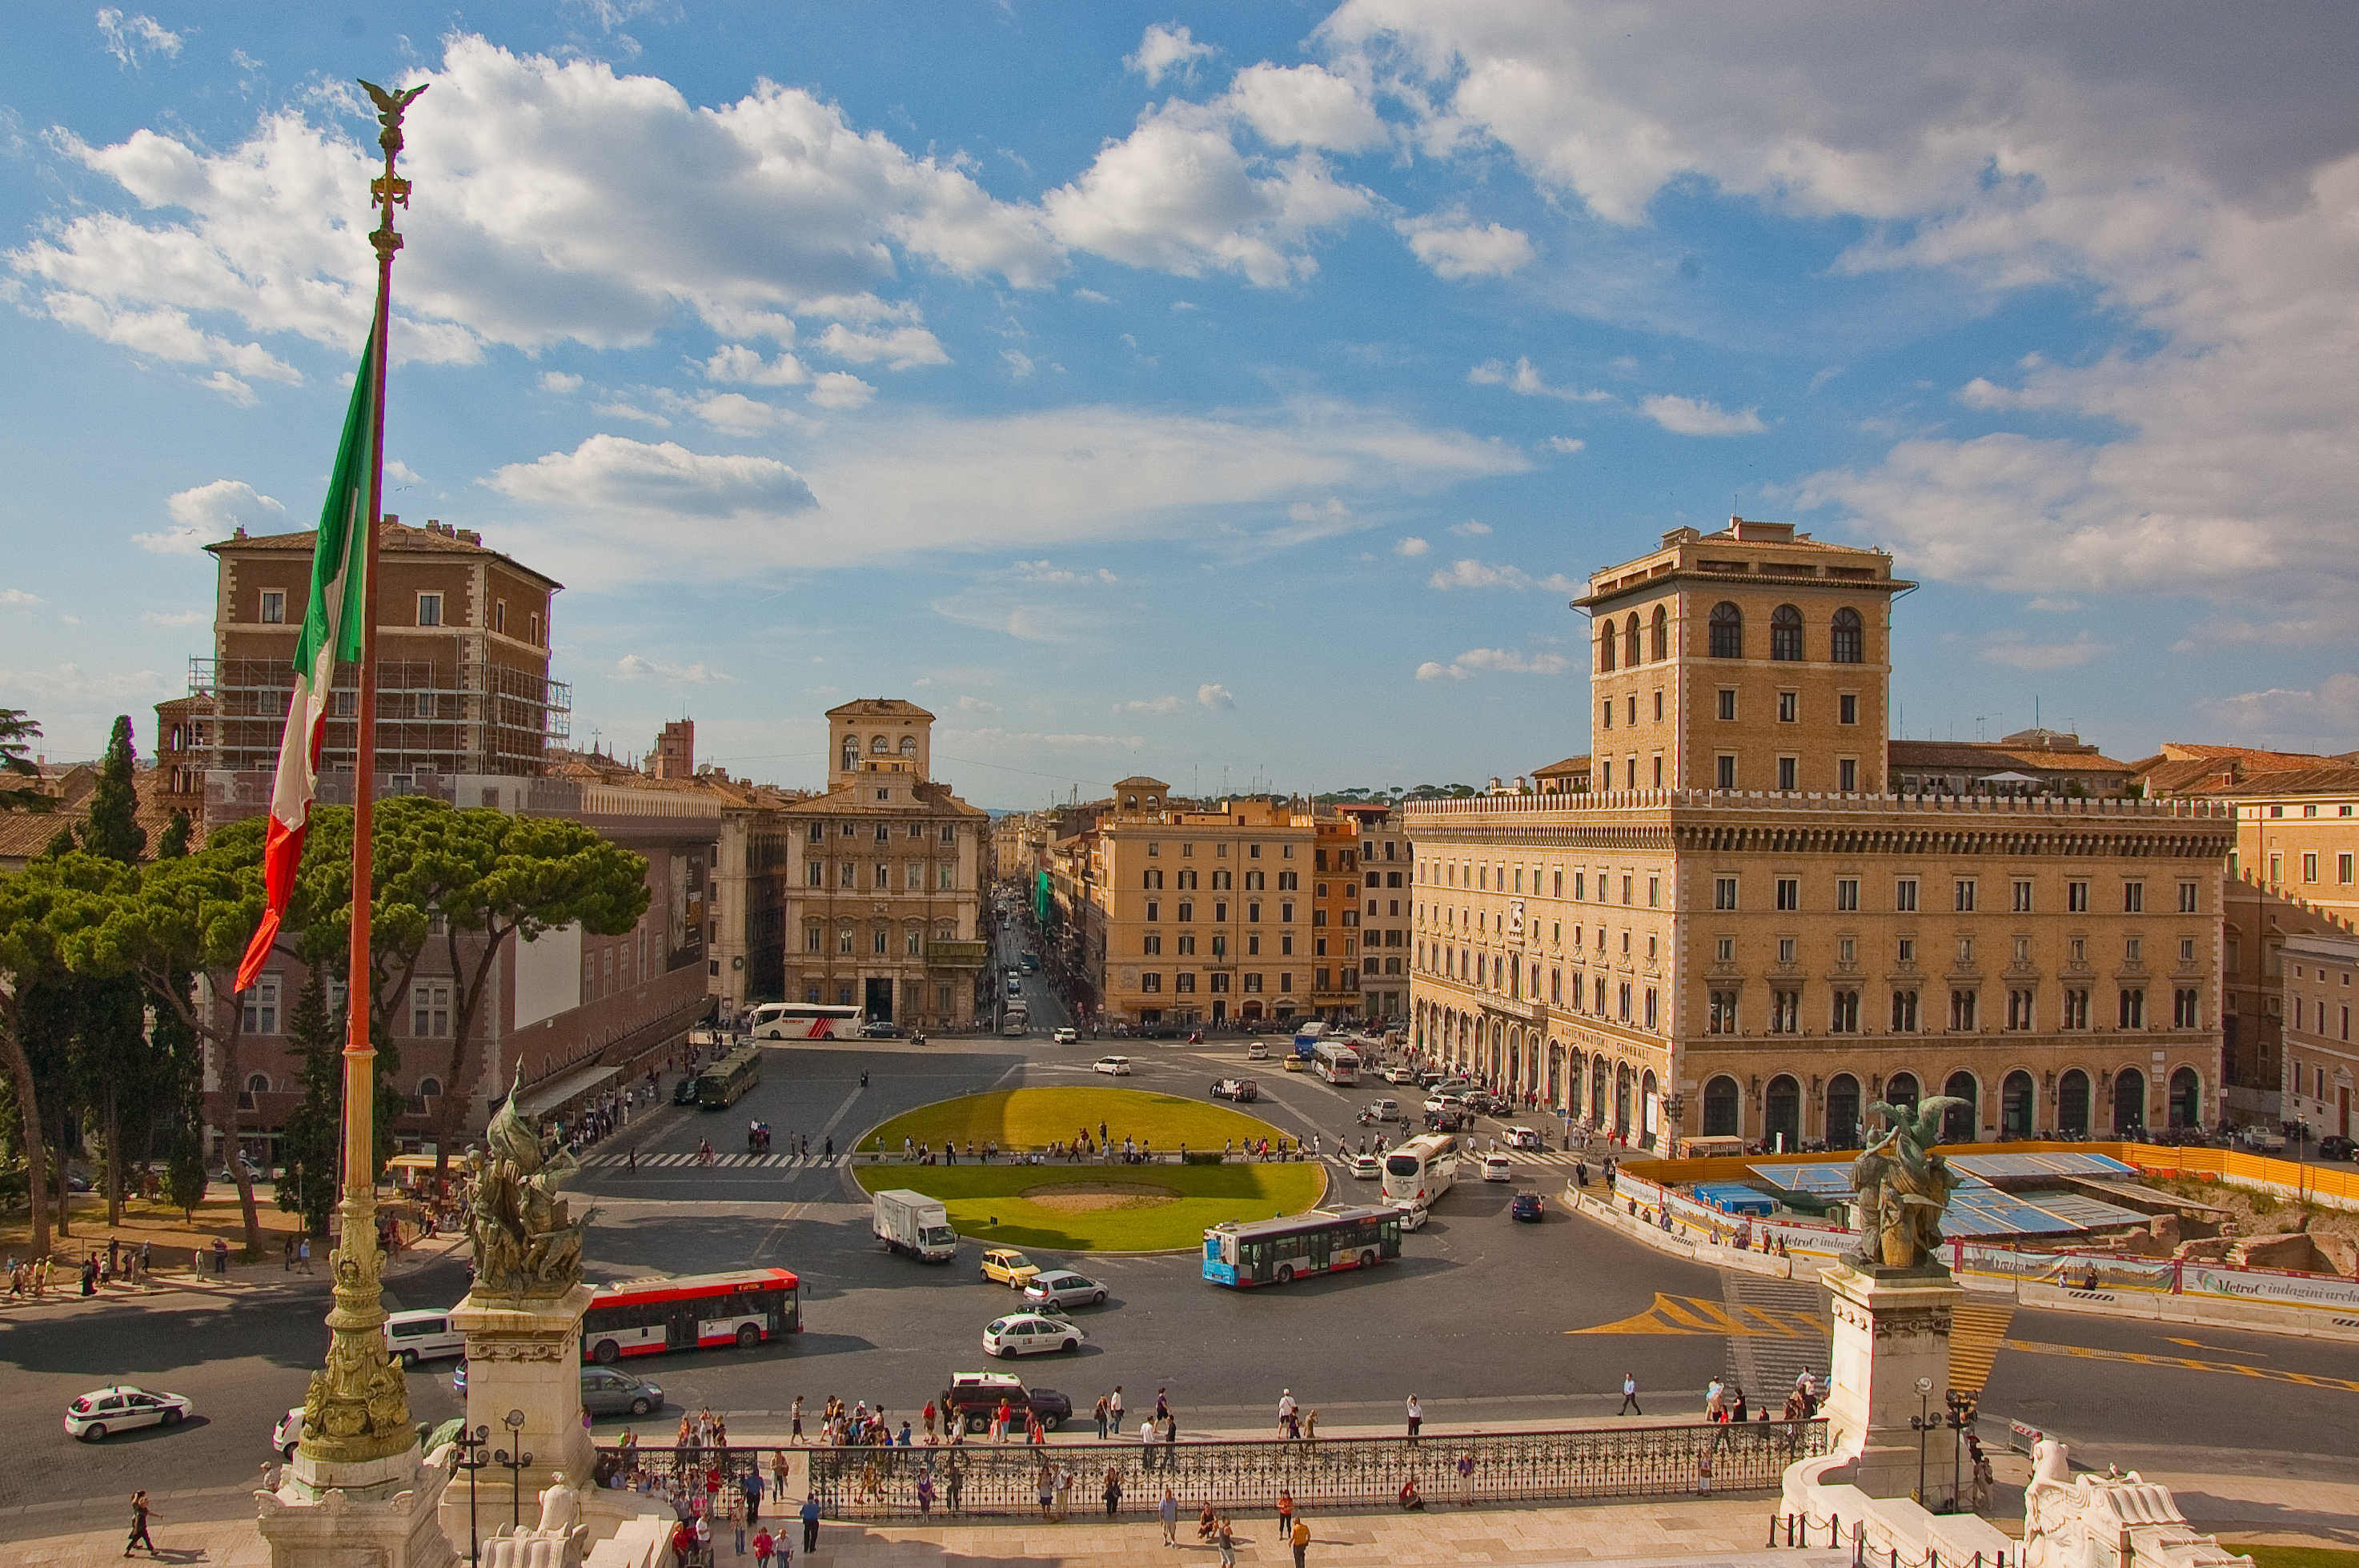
(810, 1525)
(1284, 1411)
(795, 1415)
(1416, 1417)
(1284, 1511)
(1147, 1444)
(1169, 1510)
(1629, 1396)
(140, 1514)
(1113, 1401)
(762, 1549)
(1228, 1541)
(287, 1264)
(1301, 1539)
(303, 1255)
(1100, 1415)
(751, 1487)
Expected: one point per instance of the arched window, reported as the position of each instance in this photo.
(1849, 638)
(2014, 1106)
(880, 746)
(909, 746)
(2186, 1098)
(1842, 1111)
(851, 753)
(1662, 639)
(1781, 1113)
(1605, 648)
(1719, 1108)
(257, 1084)
(1786, 633)
(429, 1088)
(2073, 1103)
(2129, 1102)
(1630, 648)
(1727, 631)
(1650, 1108)
(1960, 1123)
(1901, 1093)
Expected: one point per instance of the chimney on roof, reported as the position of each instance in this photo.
(241, 531)
(433, 524)
(469, 535)
(392, 521)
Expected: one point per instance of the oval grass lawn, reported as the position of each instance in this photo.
(1090, 1206)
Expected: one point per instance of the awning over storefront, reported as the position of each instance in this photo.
(535, 1098)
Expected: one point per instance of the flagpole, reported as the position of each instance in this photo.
(357, 1410)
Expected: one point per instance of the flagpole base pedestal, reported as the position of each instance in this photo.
(386, 1513)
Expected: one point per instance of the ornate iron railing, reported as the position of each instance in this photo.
(1240, 1475)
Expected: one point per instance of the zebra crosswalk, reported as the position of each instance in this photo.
(750, 1161)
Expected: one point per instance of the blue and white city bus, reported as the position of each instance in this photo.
(1321, 1241)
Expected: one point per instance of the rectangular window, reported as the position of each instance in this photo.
(2187, 898)
(1653, 1008)
(2018, 1010)
(2309, 869)
(2022, 897)
(1965, 895)
(1844, 1017)
(1724, 892)
(2076, 897)
(1724, 775)
(274, 607)
(1253, 982)
(1786, 950)
(1285, 945)
(430, 1009)
(1721, 1019)
(1151, 981)
(1904, 1012)
(1904, 896)
(2133, 898)
(1319, 980)
(945, 878)
(1152, 944)
(1847, 774)
(1846, 893)
(1847, 709)
(2342, 869)
(843, 940)
(2133, 1007)
(1624, 1000)
(535, 620)
(1789, 707)
(876, 945)
(1654, 892)
(2076, 1011)
(1659, 707)
(1788, 772)
(1606, 710)
(2185, 1001)
(262, 1006)
(430, 609)
(815, 874)
(1727, 702)
(811, 939)
(1789, 892)
(913, 942)
(1907, 953)
(499, 614)
(1625, 888)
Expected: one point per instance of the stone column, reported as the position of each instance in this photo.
(390, 1518)
(1891, 1329)
(525, 1354)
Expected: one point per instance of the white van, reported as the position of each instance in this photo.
(423, 1337)
(1496, 1169)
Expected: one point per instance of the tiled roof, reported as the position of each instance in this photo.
(1558, 769)
(24, 835)
(932, 800)
(878, 707)
(1971, 755)
(2335, 778)
(392, 538)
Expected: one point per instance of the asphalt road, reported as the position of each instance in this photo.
(1477, 1318)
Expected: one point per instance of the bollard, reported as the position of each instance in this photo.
(1773, 1530)
(1790, 1530)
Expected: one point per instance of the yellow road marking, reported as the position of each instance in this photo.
(2199, 1345)
(2266, 1374)
(1976, 1331)
(1697, 1315)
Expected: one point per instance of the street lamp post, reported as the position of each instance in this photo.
(1960, 1416)
(1922, 1423)
(473, 1457)
(516, 1467)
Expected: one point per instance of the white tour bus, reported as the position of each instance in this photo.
(1421, 1169)
(803, 1021)
(1335, 1062)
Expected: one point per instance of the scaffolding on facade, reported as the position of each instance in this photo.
(432, 716)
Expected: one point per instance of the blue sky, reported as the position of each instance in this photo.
(1225, 393)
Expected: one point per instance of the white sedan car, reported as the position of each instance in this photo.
(1495, 1168)
(1367, 1168)
(1117, 1065)
(1411, 1216)
(1066, 1036)
(120, 1406)
(1030, 1333)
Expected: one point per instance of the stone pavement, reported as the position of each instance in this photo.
(1698, 1531)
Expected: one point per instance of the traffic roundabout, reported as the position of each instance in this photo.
(1034, 1168)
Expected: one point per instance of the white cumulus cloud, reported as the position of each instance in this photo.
(18, 597)
(1503, 660)
(1162, 50)
(1473, 574)
(632, 667)
(1523, 380)
(1696, 417)
(207, 513)
(1411, 546)
(559, 382)
(901, 347)
(738, 365)
(1214, 696)
(841, 389)
(1455, 251)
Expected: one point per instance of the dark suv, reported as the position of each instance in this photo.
(973, 1397)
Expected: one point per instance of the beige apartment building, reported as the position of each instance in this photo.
(1234, 910)
(1388, 892)
(1769, 942)
(2321, 1062)
(883, 907)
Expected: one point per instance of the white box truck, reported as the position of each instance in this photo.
(913, 1223)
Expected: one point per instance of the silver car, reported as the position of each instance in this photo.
(1063, 1288)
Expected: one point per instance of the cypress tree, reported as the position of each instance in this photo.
(114, 830)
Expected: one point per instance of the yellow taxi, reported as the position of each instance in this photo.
(1008, 1268)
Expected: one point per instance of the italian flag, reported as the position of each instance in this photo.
(331, 632)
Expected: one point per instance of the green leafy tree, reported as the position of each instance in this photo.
(184, 1174)
(112, 830)
(174, 842)
(18, 732)
(310, 1137)
(42, 909)
(486, 878)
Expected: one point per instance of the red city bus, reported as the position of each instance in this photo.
(698, 1312)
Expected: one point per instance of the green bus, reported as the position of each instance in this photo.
(726, 1081)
